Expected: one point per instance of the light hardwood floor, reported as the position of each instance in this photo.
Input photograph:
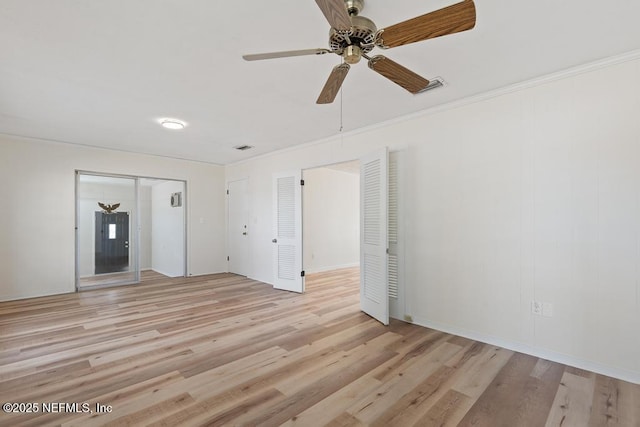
(225, 350)
(109, 279)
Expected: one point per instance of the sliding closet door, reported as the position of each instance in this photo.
(106, 230)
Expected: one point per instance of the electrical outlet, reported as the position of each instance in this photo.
(547, 309)
(536, 308)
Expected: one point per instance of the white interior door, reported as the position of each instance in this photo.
(238, 232)
(287, 214)
(374, 285)
(395, 231)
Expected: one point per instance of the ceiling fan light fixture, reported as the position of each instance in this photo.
(172, 124)
(352, 54)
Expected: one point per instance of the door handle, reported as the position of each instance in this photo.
(274, 241)
(244, 234)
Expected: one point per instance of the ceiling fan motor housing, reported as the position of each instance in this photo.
(362, 37)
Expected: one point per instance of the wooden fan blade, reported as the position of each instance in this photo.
(285, 54)
(449, 20)
(398, 74)
(333, 84)
(336, 13)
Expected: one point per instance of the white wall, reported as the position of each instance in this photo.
(534, 193)
(37, 255)
(168, 229)
(331, 219)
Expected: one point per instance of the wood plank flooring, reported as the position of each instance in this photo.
(107, 279)
(225, 350)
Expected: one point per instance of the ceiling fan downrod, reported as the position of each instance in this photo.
(354, 7)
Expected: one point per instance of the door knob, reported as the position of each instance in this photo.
(275, 240)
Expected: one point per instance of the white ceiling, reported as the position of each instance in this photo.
(101, 73)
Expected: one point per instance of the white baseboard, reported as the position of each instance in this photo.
(331, 267)
(565, 359)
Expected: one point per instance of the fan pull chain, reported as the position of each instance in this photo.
(341, 111)
(341, 105)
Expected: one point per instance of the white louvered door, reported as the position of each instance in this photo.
(287, 241)
(374, 285)
(397, 309)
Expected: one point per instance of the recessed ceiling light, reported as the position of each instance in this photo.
(173, 124)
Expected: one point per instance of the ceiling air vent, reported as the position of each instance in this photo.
(243, 147)
(434, 83)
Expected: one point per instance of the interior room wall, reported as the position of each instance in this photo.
(168, 229)
(532, 193)
(89, 194)
(331, 219)
(37, 237)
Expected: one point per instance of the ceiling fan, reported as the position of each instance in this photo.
(353, 36)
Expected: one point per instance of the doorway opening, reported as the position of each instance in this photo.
(331, 218)
(381, 254)
(128, 227)
(340, 225)
(331, 230)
